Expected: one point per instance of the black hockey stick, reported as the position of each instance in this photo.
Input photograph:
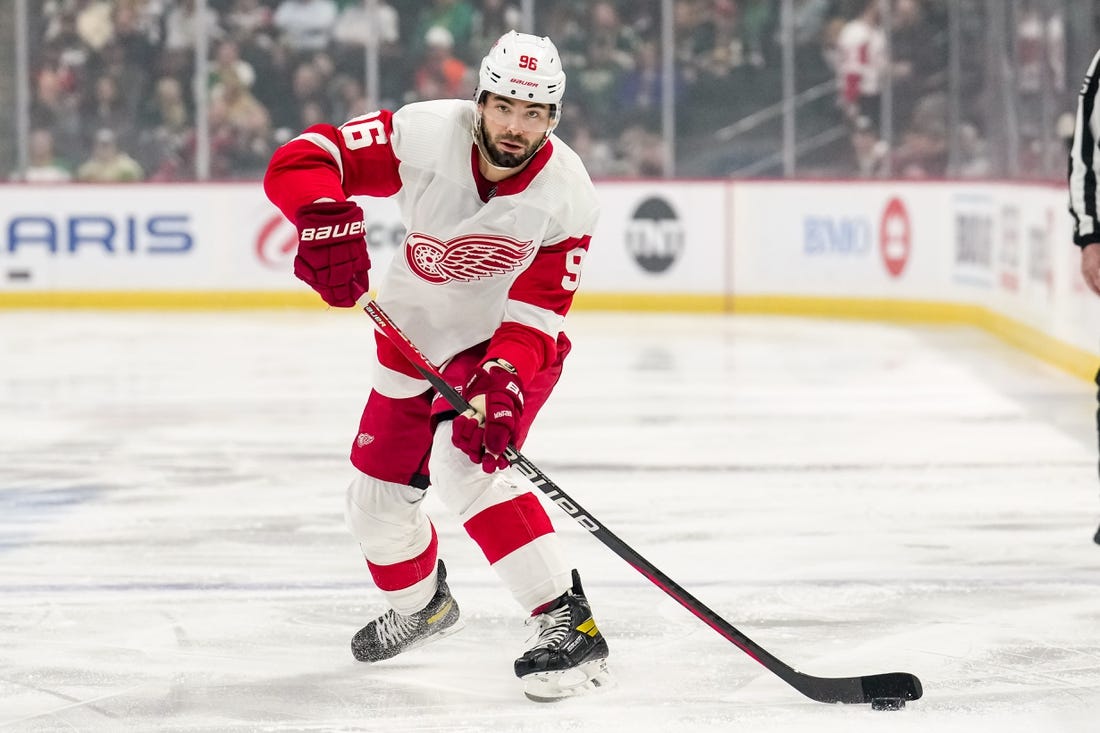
(898, 685)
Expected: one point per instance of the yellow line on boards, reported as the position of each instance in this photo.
(1074, 360)
(162, 300)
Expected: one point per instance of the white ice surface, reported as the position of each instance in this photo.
(856, 498)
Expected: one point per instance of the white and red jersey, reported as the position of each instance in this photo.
(861, 60)
(480, 261)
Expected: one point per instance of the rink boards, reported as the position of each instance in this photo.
(995, 254)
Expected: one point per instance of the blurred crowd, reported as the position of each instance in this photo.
(114, 96)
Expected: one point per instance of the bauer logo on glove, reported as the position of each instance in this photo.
(494, 391)
(316, 234)
(332, 251)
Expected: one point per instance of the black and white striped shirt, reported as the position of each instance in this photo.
(1084, 157)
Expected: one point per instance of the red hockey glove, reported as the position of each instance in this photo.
(496, 393)
(332, 251)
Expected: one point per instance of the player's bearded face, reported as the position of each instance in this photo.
(508, 149)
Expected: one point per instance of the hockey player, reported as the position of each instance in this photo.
(1084, 164)
(499, 214)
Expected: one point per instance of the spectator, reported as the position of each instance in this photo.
(132, 57)
(923, 149)
(227, 60)
(56, 103)
(809, 18)
(917, 48)
(108, 164)
(597, 83)
(353, 28)
(312, 114)
(717, 64)
(246, 127)
(356, 23)
(757, 23)
(43, 166)
(182, 26)
(107, 109)
(308, 87)
(441, 75)
(94, 24)
(167, 130)
(1040, 66)
(306, 25)
(598, 156)
(640, 89)
(492, 20)
(349, 99)
(869, 153)
(643, 150)
(275, 81)
(862, 63)
(248, 19)
(457, 17)
(974, 159)
(604, 29)
(243, 111)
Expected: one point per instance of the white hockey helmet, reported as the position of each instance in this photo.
(522, 66)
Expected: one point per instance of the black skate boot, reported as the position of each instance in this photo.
(1096, 538)
(569, 655)
(392, 633)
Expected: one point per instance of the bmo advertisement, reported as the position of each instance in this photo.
(819, 239)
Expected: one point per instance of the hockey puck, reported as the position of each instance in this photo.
(887, 703)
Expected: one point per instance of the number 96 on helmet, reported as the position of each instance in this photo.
(523, 67)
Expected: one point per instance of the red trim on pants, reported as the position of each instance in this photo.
(402, 574)
(394, 439)
(395, 435)
(504, 528)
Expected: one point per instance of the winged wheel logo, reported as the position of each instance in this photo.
(466, 258)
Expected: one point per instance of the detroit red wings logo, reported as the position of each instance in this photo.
(464, 259)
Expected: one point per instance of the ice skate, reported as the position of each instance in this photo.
(393, 633)
(1096, 537)
(569, 654)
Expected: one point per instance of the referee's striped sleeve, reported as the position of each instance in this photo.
(1083, 159)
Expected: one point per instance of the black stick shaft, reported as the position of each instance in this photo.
(823, 689)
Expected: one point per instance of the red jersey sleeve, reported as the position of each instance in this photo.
(537, 304)
(325, 161)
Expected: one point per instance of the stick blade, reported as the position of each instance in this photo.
(892, 684)
(857, 690)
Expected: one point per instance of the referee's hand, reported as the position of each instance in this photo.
(1090, 266)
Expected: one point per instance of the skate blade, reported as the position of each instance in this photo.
(453, 628)
(580, 680)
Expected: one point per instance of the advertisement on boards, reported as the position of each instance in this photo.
(1003, 247)
(973, 244)
(265, 259)
(96, 237)
(217, 237)
(840, 239)
(658, 238)
(1035, 227)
